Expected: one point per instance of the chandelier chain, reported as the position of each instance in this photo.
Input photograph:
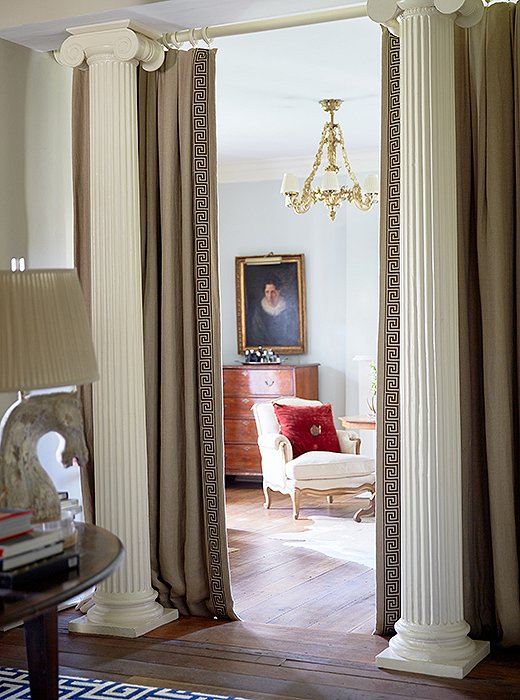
(345, 159)
(331, 148)
(317, 162)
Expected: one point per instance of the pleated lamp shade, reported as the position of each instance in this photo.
(45, 338)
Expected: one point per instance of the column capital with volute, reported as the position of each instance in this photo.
(466, 13)
(111, 41)
(124, 605)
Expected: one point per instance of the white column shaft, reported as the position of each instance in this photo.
(432, 633)
(119, 419)
(430, 428)
(124, 603)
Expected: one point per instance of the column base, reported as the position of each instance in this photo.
(84, 626)
(446, 669)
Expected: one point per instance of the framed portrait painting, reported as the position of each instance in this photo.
(270, 294)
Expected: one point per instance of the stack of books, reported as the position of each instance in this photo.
(27, 555)
(71, 504)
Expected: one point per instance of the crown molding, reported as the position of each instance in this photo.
(258, 170)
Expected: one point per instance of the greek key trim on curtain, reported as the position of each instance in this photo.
(208, 318)
(388, 537)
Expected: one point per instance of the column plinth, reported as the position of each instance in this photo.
(124, 604)
(432, 633)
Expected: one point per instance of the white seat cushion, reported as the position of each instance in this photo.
(328, 465)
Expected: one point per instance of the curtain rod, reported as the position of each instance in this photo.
(264, 25)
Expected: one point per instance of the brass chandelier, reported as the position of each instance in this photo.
(331, 193)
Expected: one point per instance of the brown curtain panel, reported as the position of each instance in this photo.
(488, 143)
(177, 144)
(81, 196)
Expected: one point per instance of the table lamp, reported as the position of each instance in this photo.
(45, 342)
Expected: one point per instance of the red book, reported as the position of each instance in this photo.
(14, 521)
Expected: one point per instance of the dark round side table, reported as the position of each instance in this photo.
(100, 553)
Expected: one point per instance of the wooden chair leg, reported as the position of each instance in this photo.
(267, 494)
(367, 511)
(330, 499)
(295, 497)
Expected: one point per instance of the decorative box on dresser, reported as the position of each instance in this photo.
(245, 385)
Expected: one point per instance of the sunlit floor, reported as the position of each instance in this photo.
(314, 572)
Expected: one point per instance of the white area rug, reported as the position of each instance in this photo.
(341, 538)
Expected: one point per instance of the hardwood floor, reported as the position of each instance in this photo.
(289, 585)
(262, 660)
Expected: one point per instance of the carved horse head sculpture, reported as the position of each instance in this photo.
(24, 483)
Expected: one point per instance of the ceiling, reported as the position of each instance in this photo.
(268, 84)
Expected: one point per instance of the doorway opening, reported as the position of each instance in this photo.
(283, 571)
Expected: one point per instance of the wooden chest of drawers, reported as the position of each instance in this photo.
(245, 385)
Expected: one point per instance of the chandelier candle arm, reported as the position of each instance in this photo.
(371, 185)
(289, 184)
(331, 193)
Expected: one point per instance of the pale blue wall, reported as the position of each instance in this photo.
(362, 265)
(341, 264)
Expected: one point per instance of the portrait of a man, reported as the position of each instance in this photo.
(270, 303)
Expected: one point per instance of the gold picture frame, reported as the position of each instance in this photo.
(270, 299)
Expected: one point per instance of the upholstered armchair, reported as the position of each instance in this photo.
(315, 472)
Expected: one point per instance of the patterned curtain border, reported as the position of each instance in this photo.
(388, 438)
(208, 363)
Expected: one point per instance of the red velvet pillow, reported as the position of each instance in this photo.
(308, 428)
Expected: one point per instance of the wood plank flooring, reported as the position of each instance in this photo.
(293, 586)
(261, 660)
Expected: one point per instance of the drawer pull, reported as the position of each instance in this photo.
(269, 382)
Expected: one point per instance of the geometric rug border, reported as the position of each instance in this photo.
(14, 684)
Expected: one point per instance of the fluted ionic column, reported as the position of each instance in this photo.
(432, 633)
(124, 605)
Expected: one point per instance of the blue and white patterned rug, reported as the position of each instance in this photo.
(15, 684)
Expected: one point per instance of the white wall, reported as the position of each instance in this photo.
(48, 163)
(35, 168)
(13, 221)
(341, 274)
(35, 158)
